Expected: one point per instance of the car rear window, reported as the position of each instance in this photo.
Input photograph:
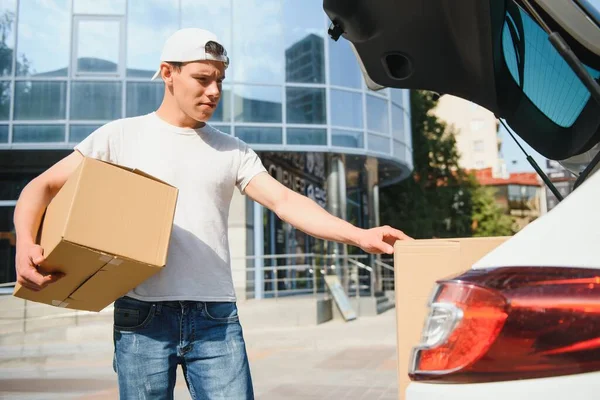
(540, 71)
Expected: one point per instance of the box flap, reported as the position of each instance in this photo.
(122, 213)
(136, 171)
(76, 262)
(109, 283)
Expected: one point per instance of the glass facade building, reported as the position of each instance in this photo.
(293, 94)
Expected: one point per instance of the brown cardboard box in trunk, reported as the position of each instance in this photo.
(418, 265)
(107, 230)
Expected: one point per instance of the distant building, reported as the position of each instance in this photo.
(476, 128)
(562, 179)
(521, 195)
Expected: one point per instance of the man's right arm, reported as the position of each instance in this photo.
(30, 208)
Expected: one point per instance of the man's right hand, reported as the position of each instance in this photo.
(27, 260)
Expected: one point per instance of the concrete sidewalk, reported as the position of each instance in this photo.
(335, 360)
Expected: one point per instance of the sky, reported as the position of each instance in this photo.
(513, 156)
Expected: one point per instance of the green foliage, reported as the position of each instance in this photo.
(488, 217)
(438, 200)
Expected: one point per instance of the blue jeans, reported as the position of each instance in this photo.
(151, 339)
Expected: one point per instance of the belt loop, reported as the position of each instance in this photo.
(200, 305)
(158, 307)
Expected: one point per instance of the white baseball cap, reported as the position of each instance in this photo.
(189, 44)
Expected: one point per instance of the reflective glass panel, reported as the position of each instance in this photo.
(5, 97)
(346, 109)
(259, 135)
(143, 97)
(39, 100)
(305, 105)
(149, 24)
(3, 133)
(95, 100)
(99, 7)
(399, 149)
(397, 122)
(8, 9)
(98, 46)
(377, 114)
(211, 15)
(379, 143)
(257, 103)
(44, 25)
(258, 47)
(79, 132)
(344, 138)
(223, 128)
(307, 136)
(398, 96)
(223, 111)
(343, 66)
(38, 133)
(304, 41)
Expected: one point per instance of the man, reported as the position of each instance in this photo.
(186, 314)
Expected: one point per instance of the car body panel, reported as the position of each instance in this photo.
(579, 386)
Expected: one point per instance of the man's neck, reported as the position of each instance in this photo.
(178, 118)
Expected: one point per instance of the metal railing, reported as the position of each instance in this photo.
(387, 274)
(289, 278)
(305, 273)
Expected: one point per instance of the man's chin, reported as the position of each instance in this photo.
(203, 117)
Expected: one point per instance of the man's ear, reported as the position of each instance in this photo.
(166, 72)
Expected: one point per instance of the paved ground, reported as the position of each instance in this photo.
(335, 360)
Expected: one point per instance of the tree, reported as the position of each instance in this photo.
(436, 200)
(440, 199)
(489, 218)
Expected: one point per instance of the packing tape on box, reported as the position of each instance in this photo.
(110, 260)
(59, 303)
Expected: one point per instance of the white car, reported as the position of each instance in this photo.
(524, 322)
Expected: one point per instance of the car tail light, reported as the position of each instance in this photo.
(511, 323)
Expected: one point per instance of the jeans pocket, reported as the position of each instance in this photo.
(131, 314)
(221, 311)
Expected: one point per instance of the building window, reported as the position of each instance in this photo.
(40, 100)
(105, 7)
(98, 101)
(259, 135)
(479, 146)
(310, 136)
(479, 164)
(377, 115)
(380, 144)
(43, 25)
(79, 132)
(343, 66)
(306, 105)
(346, 108)
(347, 138)
(38, 133)
(257, 103)
(476, 125)
(3, 133)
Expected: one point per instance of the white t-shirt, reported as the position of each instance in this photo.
(205, 165)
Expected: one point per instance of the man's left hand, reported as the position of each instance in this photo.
(381, 239)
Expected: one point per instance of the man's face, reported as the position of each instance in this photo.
(197, 88)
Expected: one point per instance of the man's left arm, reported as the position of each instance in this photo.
(307, 216)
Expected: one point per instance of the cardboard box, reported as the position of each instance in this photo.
(107, 230)
(418, 266)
